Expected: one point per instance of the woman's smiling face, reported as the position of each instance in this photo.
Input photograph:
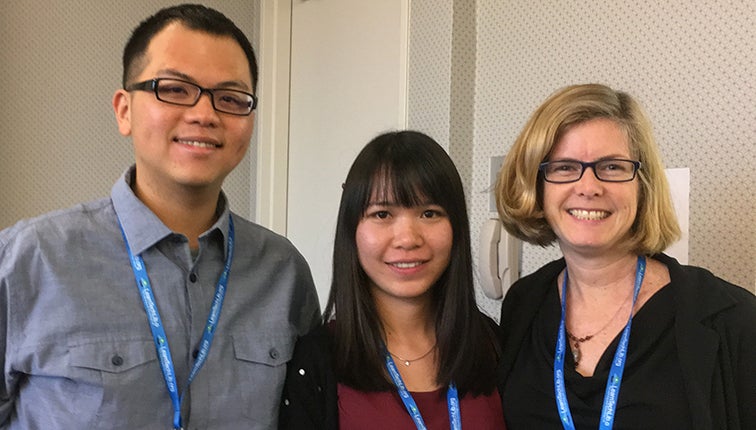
(403, 250)
(591, 216)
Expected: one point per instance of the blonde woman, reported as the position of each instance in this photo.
(615, 334)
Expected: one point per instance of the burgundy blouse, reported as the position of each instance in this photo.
(384, 409)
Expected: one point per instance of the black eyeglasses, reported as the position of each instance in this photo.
(183, 93)
(607, 170)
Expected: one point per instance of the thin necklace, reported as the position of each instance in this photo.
(575, 347)
(408, 362)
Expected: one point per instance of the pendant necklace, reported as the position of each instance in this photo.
(407, 362)
(576, 341)
(614, 379)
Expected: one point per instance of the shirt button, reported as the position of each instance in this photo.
(286, 402)
(301, 372)
(195, 353)
(193, 278)
(117, 360)
(273, 353)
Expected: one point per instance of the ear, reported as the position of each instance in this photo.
(122, 110)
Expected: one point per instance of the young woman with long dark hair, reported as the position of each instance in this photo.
(403, 344)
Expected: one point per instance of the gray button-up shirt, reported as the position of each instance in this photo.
(77, 351)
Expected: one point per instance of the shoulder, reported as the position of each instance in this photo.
(268, 255)
(309, 394)
(703, 298)
(705, 294)
(313, 350)
(246, 228)
(715, 324)
(527, 293)
(311, 364)
(540, 279)
(268, 263)
(57, 229)
(58, 220)
(260, 242)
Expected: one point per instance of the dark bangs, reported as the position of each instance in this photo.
(408, 173)
(398, 185)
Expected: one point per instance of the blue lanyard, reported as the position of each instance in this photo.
(452, 399)
(618, 363)
(156, 323)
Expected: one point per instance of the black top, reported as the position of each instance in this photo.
(690, 360)
(651, 392)
(310, 395)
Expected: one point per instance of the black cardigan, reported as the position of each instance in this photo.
(309, 399)
(715, 331)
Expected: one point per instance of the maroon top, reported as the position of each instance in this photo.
(384, 409)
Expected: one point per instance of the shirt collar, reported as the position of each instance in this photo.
(223, 213)
(142, 227)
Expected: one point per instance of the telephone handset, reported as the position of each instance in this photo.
(499, 259)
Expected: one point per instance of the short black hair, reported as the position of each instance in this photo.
(193, 16)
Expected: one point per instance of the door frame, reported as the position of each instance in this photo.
(272, 121)
(271, 183)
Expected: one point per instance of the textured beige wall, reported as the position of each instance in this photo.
(689, 63)
(60, 63)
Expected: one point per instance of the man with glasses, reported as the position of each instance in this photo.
(158, 307)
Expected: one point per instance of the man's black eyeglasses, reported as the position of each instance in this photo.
(183, 93)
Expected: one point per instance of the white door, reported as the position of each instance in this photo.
(348, 76)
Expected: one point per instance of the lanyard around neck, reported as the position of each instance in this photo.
(156, 323)
(452, 399)
(618, 363)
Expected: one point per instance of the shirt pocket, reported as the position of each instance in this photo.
(130, 380)
(261, 365)
(269, 349)
(115, 357)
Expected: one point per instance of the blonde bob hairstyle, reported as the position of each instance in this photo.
(519, 187)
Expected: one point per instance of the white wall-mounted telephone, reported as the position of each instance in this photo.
(498, 259)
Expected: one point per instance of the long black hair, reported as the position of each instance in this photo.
(411, 169)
